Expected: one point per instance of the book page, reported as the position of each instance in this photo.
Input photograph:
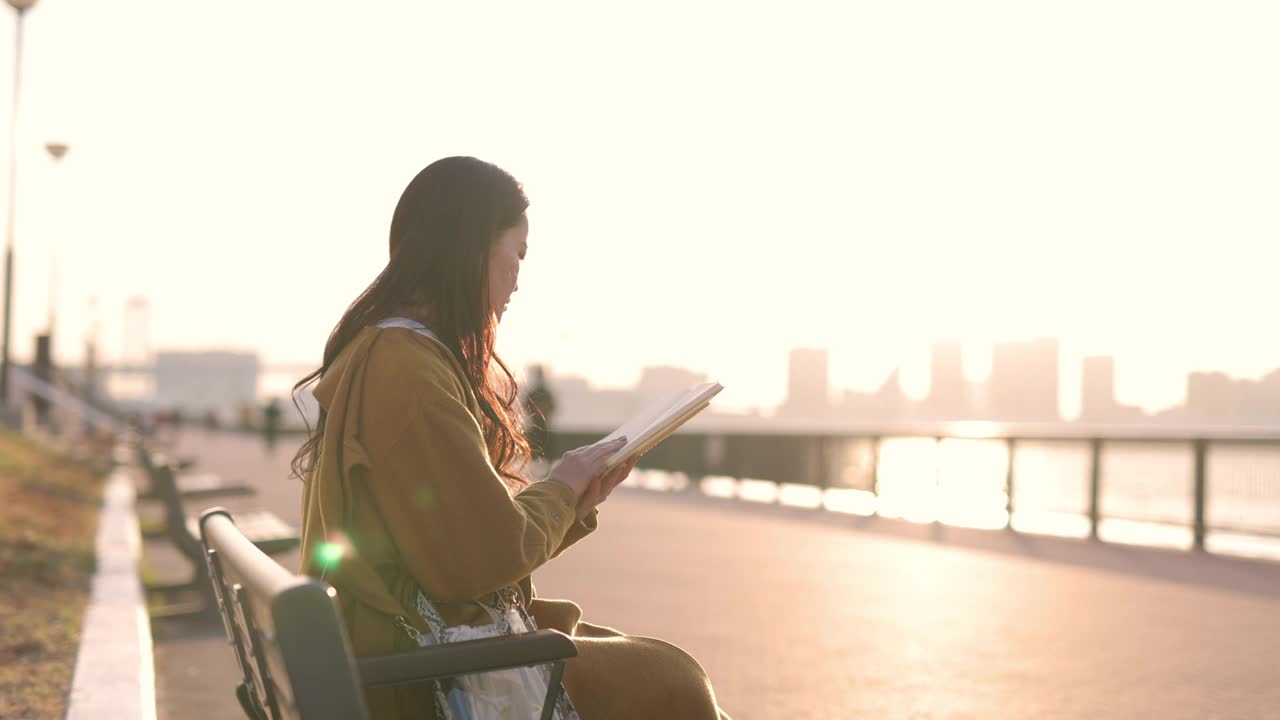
(659, 419)
(651, 415)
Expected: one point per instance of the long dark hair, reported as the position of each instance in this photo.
(443, 227)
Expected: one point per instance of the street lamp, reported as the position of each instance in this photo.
(56, 151)
(21, 6)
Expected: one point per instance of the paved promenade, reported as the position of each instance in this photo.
(806, 614)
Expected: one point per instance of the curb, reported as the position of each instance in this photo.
(114, 677)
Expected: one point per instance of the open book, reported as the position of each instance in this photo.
(656, 422)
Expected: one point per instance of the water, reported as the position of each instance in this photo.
(1146, 492)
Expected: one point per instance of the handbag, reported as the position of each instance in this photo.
(510, 694)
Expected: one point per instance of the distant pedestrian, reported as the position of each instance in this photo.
(160, 427)
(271, 423)
(539, 406)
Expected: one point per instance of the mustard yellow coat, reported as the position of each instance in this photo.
(404, 497)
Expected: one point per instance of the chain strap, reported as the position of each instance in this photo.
(413, 632)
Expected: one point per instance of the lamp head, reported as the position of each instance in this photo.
(21, 5)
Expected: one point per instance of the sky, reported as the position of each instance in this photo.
(711, 183)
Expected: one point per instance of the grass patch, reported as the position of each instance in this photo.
(49, 507)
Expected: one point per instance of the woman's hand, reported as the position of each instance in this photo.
(599, 489)
(579, 468)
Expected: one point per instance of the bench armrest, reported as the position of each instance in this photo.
(462, 658)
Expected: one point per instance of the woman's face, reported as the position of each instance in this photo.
(504, 265)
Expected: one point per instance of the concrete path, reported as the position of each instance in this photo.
(809, 614)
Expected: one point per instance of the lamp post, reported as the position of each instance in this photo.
(21, 6)
(56, 151)
(91, 353)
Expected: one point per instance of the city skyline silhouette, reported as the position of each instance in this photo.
(1022, 387)
(1024, 384)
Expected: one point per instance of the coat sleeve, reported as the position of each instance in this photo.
(579, 530)
(457, 529)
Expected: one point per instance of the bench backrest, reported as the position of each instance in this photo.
(164, 486)
(286, 630)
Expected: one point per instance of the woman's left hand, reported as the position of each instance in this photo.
(600, 487)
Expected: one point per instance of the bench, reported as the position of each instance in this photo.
(264, 529)
(191, 485)
(291, 645)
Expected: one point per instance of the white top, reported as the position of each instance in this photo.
(414, 325)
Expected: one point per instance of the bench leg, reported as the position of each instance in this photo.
(199, 584)
(170, 587)
(554, 687)
(249, 703)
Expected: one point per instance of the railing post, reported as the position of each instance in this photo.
(875, 465)
(1095, 486)
(819, 461)
(1198, 526)
(1011, 446)
(937, 473)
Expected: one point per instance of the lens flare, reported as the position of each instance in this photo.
(329, 555)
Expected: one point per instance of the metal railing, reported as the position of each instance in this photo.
(64, 400)
(853, 459)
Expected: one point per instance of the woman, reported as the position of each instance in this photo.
(414, 474)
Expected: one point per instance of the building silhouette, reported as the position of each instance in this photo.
(1211, 397)
(949, 396)
(1098, 389)
(888, 403)
(221, 382)
(666, 380)
(579, 404)
(1023, 386)
(1263, 403)
(807, 385)
(1216, 398)
(137, 332)
(1098, 402)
